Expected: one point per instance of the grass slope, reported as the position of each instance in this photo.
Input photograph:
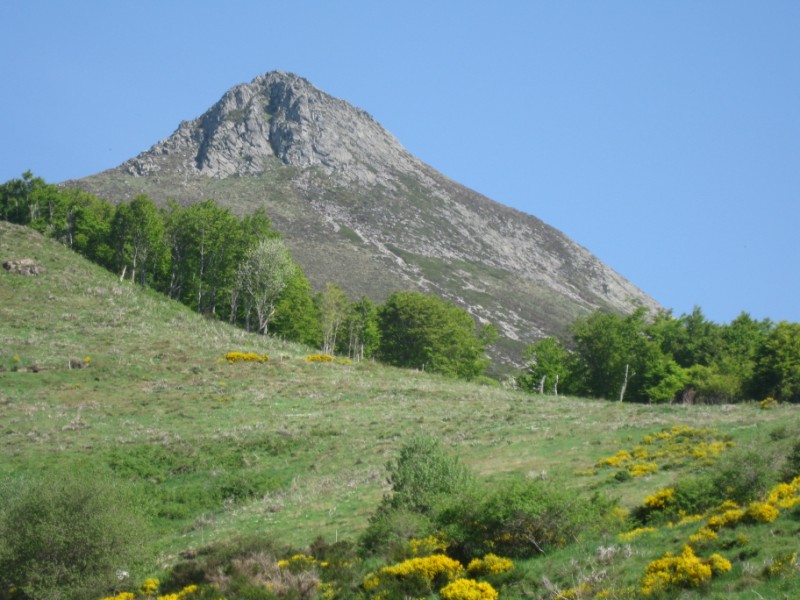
(289, 448)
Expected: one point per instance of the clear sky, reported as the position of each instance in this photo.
(664, 136)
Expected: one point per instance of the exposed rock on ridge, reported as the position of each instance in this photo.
(279, 115)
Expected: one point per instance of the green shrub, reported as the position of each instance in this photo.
(745, 474)
(423, 474)
(791, 467)
(66, 535)
(519, 518)
(390, 529)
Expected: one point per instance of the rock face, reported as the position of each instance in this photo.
(358, 209)
(279, 115)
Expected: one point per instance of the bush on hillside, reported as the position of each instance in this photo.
(519, 518)
(424, 474)
(69, 535)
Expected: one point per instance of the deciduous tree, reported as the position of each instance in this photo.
(426, 332)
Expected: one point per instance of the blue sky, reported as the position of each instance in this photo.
(664, 136)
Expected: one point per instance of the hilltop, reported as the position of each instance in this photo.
(357, 209)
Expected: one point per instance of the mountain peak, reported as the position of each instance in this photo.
(277, 116)
(357, 209)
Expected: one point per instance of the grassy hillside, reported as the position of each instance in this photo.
(293, 450)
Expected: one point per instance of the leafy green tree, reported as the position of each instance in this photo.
(89, 228)
(17, 199)
(138, 233)
(296, 315)
(690, 340)
(207, 244)
(333, 304)
(777, 370)
(426, 332)
(262, 277)
(548, 364)
(72, 216)
(361, 328)
(615, 358)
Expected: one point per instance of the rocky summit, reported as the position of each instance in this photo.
(356, 208)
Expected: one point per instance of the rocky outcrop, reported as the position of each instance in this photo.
(23, 266)
(279, 116)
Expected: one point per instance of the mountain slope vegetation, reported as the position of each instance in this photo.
(105, 377)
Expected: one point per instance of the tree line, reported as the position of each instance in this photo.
(239, 270)
(663, 358)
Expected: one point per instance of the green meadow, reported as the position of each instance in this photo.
(105, 379)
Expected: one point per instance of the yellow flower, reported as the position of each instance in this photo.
(785, 495)
(426, 546)
(234, 357)
(760, 512)
(429, 568)
(630, 535)
(319, 358)
(371, 581)
(660, 499)
(468, 589)
(616, 460)
(642, 469)
(704, 534)
(684, 571)
(730, 518)
(149, 587)
(490, 564)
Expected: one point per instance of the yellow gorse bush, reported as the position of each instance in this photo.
(760, 512)
(619, 458)
(768, 403)
(785, 495)
(660, 500)
(298, 563)
(189, 589)
(235, 357)
(426, 546)
(730, 515)
(704, 534)
(730, 518)
(491, 564)
(686, 519)
(435, 570)
(673, 445)
(629, 536)
(684, 571)
(429, 567)
(642, 469)
(149, 587)
(468, 589)
(323, 358)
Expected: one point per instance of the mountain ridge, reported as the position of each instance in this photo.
(358, 209)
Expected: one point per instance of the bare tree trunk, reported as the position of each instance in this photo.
(624, 384)
(541, 384)
(555, 386)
